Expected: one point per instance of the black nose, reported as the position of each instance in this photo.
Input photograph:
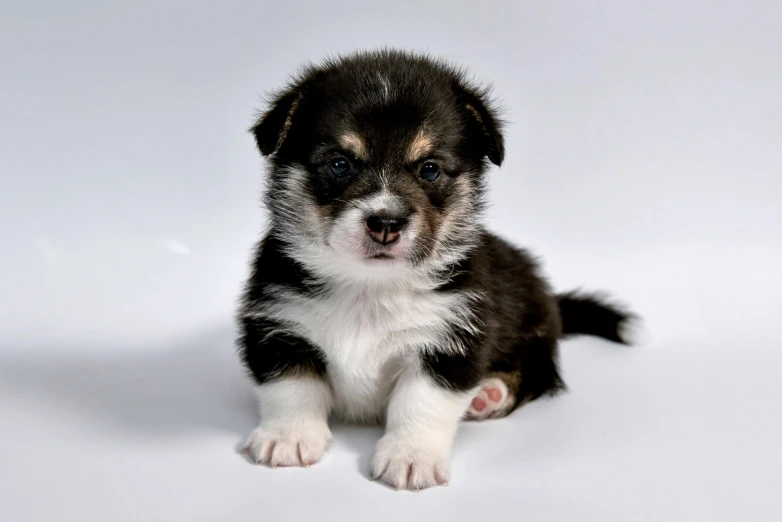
(385, 229)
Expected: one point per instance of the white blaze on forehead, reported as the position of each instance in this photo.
(385, 85)
(382, 201)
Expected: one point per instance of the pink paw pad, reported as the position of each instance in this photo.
(492, 400)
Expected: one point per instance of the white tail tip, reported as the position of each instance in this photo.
(633, 332)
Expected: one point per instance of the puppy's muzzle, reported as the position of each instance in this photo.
(385, 228)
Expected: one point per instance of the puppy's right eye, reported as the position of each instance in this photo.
(340, 167)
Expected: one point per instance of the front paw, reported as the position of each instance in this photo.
(300, 443)
(405, 463)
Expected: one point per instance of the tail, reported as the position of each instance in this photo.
(593, 314)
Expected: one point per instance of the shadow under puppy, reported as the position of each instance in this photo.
(376, 294)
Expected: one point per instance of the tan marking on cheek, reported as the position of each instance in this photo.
(420, 147)
(354, 144)
(458, 208)
(429, 220)
(462, 186)
(459, 200)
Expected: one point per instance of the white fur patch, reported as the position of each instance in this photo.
(367, 332)
(294, 427)
(634, 332)
(296, 211)
(421, 424)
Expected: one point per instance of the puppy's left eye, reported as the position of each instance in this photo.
(430, 171)
(340, 167)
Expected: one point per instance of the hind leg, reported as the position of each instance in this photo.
(521, 375)
(496, 396)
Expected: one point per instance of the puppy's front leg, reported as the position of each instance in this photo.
(421, 424)
(293, 396)
(294, 428)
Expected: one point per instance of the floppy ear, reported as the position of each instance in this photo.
(273, 125)
(484, 122)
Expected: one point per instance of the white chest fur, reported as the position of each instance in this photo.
(367, 334)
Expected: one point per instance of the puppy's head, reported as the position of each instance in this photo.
(377, 164)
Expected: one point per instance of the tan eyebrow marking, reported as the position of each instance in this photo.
(354, 144)
(420, 147)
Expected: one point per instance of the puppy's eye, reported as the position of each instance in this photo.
(340, 167)
(430, 171)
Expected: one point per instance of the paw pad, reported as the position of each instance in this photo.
(493, 400)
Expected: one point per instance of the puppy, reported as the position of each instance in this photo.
(376, 294)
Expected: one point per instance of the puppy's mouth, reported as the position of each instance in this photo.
(380, 257)
(375, 252)
(383, 255)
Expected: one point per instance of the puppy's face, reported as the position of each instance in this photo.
(378, 162)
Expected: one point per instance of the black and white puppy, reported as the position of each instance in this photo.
(376, 295)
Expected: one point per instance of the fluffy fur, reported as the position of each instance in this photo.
(376, 294)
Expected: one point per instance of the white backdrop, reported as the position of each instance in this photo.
(644, 158)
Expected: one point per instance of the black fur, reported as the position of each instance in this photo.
(592, 314)
(267, 351)
(521, 323)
